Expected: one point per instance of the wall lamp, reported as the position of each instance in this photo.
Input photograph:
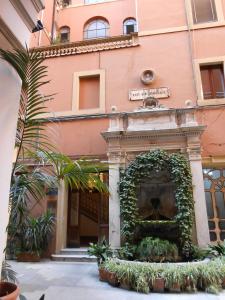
(38, 27)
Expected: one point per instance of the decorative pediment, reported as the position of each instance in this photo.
(147, 129)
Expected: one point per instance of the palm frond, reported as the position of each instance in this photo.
(79, 174)
(8, 274)
(30, 129)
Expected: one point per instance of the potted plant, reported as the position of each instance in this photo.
(8, 288)
(158, 285)
(157, 250)
(8, 291)
(34, 236)
(101, 250)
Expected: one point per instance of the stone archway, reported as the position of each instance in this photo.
(172, 130)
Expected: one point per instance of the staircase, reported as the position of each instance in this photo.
(73, 255)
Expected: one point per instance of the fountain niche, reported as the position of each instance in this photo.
(157, 207)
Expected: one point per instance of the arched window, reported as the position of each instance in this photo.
(64, 34)
(129, 26)
(97, 28)
(66, 3)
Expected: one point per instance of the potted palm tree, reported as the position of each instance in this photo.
(34, 236)
(8, 288)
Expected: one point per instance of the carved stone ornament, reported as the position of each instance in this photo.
(148, 76)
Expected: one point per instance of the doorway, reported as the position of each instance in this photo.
(88, 217)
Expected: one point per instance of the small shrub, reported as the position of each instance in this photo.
(127, 252)
(157, 250)
(140, 276)
(213, 289)
(101, 250)
(199, 253)
(217, 250)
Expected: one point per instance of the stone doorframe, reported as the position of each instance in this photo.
(61, 218)
(173, 130)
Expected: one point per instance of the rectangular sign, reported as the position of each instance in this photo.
(158, 93)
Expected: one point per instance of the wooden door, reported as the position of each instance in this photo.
(73, 232)
(88, 217)
(103, 224)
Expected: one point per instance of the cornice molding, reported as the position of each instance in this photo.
(89, 46)
(152, 134)
(22, 12)
(10, 37)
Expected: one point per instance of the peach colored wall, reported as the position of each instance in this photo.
(156, 14)
(115, 12)
(209, 43)
(62, 82)
(80, 137)
(168, 54)
(213, 139)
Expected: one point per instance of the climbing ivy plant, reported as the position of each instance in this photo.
(178, 168)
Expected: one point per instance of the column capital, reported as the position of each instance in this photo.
(116, 158)
(194, 153)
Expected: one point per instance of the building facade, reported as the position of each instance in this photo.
(104, 59)
(17, 20)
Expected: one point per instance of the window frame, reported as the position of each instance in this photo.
(213, 8)
(219, 12)
(204, 62)
(125, 25)
(96, 21)
(68, 34)
(209, 68)
(66, 4)
(216, 219)
(76, 91)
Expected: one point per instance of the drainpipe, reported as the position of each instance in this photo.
(53, 20)
(40, 32)
(136, 13)
(190, 46)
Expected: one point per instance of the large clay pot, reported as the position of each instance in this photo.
(103, 274)
(175, 288)
(112, 279)
(8, 291)
(159, 285)
(28, 257)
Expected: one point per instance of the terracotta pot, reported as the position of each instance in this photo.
(189, 286)
(112, 279)
(223, 284)
(124, 284)
(175, 288)
(8, 291)
(28, 257)
(103, 274)
(158, 285)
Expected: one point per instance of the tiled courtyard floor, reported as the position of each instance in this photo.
(79, 281)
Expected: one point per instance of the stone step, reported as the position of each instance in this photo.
(73, 258)
(74, 251)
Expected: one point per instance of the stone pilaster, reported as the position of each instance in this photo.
(62, 211)
(201, 218)
(114, 201)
